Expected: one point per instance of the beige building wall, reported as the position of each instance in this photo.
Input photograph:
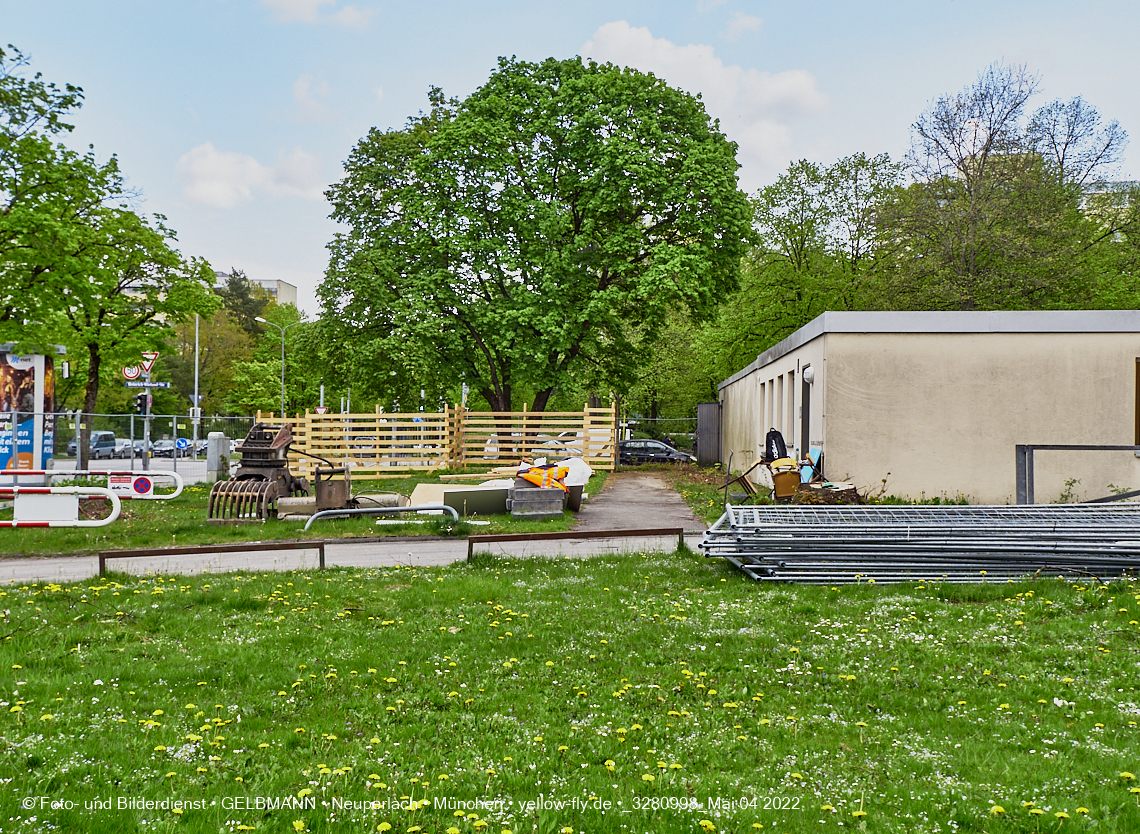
(771, 396)
(939, 413)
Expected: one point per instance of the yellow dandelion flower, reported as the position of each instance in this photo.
(647, 777)
(384, 826)
(859, 814)
(996, 810)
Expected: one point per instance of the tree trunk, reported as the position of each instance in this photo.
(90, 395)
(541, 399)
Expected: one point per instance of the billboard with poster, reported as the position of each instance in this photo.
(27, 406)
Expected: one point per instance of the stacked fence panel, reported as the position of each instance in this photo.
(929, 543)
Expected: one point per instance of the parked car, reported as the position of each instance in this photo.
(102, 445)
(167, 449)
(122, 448)
(651, 451)
(124, 451)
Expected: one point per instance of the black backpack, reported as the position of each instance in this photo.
(774, 446)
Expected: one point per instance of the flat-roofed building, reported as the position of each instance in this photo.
(935, 402)
(281, 291)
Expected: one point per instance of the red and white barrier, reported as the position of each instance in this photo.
(40, 506)
(123, 482)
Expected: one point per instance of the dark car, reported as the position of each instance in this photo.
(650, 451)
(102, 445)
(167, 449)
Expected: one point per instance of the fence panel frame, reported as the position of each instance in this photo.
(452, 438)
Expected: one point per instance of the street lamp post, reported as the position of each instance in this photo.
(282, 329)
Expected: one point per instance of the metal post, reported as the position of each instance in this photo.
(1019, 457)
(1029, 499)
(195, 414)
(282, 329)
(282, 374)
(146, 427)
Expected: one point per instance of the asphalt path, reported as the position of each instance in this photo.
(630, 500)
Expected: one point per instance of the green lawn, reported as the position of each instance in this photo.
(681, 694)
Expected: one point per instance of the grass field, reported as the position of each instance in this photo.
(654, 693)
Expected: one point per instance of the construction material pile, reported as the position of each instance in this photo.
(836, 544)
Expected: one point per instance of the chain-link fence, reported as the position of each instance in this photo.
(679, 430)
(128, 431)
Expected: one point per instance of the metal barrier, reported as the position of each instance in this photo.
(943, 543)
(130, 484)
(381, 511)
(246, 547)
(1023, 456)
(679, 532)
(49, 512)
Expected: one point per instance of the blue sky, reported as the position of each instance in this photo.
(232, 116)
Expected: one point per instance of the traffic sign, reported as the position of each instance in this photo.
(133, 372)
(149, 358)
(322, 409)
(139, 383)
(182, 442)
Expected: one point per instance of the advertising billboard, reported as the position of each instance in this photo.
(27, 405)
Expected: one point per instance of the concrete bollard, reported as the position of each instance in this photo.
(217, 457)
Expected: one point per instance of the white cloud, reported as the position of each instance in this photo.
(740, 24)
(709, 5)
(309, 108)
(379, 93)
(352, 17)
(225, 179)
(756, 109)
(309, 11)
(304, 11)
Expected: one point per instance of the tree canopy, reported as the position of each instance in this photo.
(535, 235)
(79, 265)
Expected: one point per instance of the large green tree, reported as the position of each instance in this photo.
(79, 266)
(535, 235)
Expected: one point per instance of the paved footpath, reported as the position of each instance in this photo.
(630, 500)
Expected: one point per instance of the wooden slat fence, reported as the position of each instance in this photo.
(379, 444)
